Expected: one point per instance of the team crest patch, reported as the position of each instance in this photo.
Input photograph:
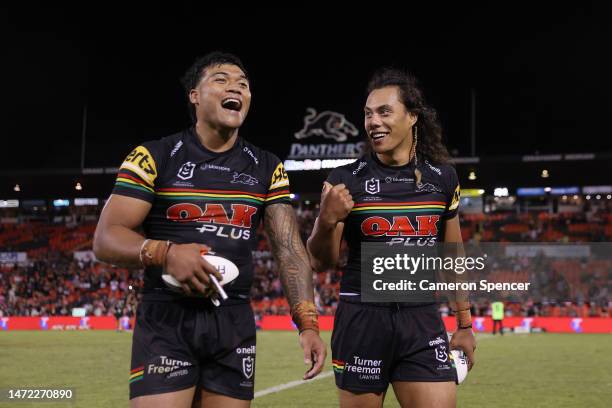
(441, 354)
(248, 366)
(186, 171)
(372, 186)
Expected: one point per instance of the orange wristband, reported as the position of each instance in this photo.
(305, 317)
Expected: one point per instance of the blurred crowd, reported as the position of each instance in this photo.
(54, 281)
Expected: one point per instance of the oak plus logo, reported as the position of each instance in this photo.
(402, 231)
(400, 225)
(215, 219)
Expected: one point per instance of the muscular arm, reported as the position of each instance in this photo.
(116, 240)
(452, 235)
(324, 241)
(289, 252)
(452, 231)
(324, 244)
(462, 339)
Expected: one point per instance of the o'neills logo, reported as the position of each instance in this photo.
(437, 341)
(359, 167)
(245, 350)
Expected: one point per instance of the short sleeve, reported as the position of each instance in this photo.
(278, 190)
(335, 177)
(137, 174)
(452, 192)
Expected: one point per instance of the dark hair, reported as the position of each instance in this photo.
(429, 130)
(194, 74)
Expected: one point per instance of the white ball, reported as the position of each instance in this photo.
(227, 268)
(461, 364)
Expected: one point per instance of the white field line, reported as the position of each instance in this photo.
(291, 384)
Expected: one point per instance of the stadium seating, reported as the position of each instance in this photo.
(56, 282)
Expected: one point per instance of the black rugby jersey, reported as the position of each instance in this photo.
(390, 207)
(199, 196)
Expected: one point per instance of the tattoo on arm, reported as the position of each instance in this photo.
(289, 252)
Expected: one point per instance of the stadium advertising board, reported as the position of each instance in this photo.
(282, 322)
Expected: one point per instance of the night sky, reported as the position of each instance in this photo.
(541, 76)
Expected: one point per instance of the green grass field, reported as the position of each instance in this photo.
(540, 370)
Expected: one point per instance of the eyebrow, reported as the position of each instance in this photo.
(242, 76)
(385, 106)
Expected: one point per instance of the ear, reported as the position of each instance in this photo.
(193, 96)
(412, 119)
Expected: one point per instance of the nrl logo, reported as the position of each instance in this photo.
(441, 354)
(330, 125)
(248, 366)
(372, 186)
(186, 171)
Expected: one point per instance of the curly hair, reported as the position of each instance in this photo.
(195, 72)
(429, 146)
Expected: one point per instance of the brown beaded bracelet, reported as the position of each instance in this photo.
(153, 252)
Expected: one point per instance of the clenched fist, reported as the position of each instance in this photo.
(336, 203)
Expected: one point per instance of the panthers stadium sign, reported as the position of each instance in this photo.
(332, 141)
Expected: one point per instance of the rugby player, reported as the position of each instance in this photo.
(204, 189)
(403, 189)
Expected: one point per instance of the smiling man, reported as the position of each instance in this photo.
(402, 191)
(204, 189)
